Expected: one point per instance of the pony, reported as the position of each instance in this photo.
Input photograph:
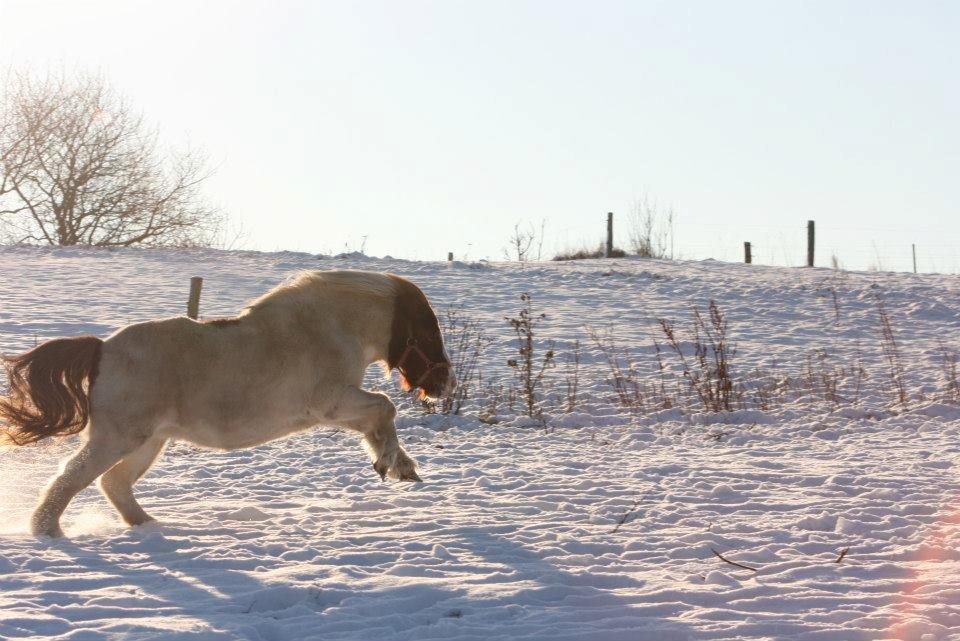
(290, 360)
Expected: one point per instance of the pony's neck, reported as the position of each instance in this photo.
(317, 317)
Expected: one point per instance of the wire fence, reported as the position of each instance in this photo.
(879, 248)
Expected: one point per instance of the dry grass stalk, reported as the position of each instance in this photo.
(891, 352)
(572, 378)
(951, 384)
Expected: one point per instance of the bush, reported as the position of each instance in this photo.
(529, 371)
(710, 371)
(627, 381)
(582, 254)
(465, 341)
(651, 230)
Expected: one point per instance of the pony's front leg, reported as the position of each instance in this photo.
(373, 416)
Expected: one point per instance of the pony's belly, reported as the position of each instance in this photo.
(234, 436)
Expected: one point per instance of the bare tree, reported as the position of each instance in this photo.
(651, 229)
(520, 247)
(79, 167)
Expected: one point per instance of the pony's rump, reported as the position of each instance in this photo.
(49, 389)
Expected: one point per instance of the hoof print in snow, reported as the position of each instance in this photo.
(248, 513)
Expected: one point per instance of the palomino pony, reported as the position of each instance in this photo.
(292, 359)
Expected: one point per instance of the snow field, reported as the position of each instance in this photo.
(600, 526)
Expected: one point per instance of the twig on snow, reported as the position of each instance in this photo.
(626, 515)
(726, 560)
(632, 510)
(843, 553)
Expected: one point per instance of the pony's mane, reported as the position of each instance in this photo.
(373, 284)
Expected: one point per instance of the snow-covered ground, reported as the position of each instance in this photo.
(599, 525)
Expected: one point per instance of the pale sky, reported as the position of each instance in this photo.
(435, 126)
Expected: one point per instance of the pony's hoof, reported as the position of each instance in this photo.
(41, 525)
(411, 476)
(380, 469)
(405, 470)
(48, 532)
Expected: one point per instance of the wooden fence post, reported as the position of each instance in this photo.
(810, 238)
(913, 246)
(747, 256)
(609, 234)
(449, 257)
(193, 303)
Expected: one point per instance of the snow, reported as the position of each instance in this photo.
(599, 524)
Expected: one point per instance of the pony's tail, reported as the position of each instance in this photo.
(49, 389)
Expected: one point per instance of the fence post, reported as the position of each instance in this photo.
(747, 256)
(913, 246)
(193, 303)
(810, 237)
(449, 257)
(609, 234)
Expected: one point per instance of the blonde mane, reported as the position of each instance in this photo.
(312, 283)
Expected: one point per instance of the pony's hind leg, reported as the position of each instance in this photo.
(117, 483)
(93, 459)
(373, 416)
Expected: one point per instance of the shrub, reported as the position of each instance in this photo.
(465, 341)
(521, 243)
(651, 230)
(709, 374)
(627, 380)
(582, 254)
(529, 372)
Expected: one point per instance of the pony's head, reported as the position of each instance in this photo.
(416, 343)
